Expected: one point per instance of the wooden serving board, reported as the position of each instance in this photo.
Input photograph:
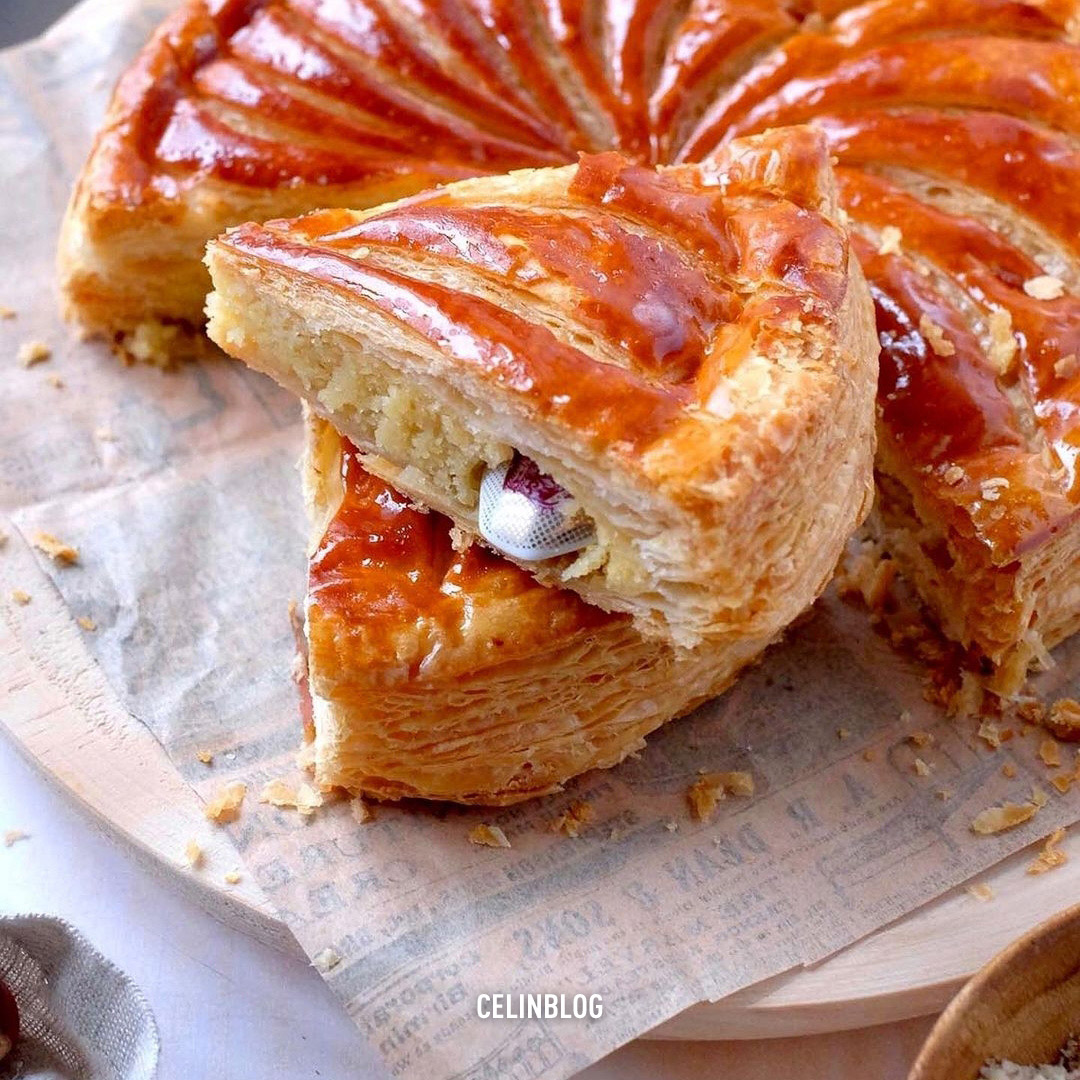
(59, 709)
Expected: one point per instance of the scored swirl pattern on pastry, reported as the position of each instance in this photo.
(953, 121)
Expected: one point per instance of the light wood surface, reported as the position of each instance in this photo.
(57, 706)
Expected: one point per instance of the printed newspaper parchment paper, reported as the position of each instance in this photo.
(181, 494)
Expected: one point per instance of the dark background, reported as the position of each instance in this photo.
(22, 19)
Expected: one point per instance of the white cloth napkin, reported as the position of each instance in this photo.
(81, 1017)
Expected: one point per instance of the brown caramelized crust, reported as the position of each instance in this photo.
(955, 122)
(687, 351)
(445, 672)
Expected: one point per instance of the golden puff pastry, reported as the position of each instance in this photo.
(688, 352)
(442, 671)
(236, 111)
(955, 127)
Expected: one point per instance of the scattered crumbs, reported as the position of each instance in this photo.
(869, 755)
(991, 488)
(193, 855)
(57, 550)
(1067, 367)
(921, 739)
(1044, 287)
(1039, 798)
(935, 336)
(305, 757)
(890, 241)
(33, 352)
(104, 434)
(1002, 340)
(56, 382)
(671, 826)
(361, 811)
(1063, 719)
(20, 596)
(86, 622)
(13, 836)
(576, 816)
(920, 767)
(204, 756)
(1031, 711)
(1050, 753)
(989, 733)
(304, 799)
(981, 891)
(232, 877)
(997, 819)
(1051, 855)
(488, 836)
(707, 791)
(905, 716)
(968, 699)
(1063, 781)
(1008, 770)
(225, 806)
(325, 960)
(6, 312)
(953, 475)
(843, 733)
(944, 794)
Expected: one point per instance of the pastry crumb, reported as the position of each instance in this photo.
(1051, 855)
(921, 739)
(204, 756)
(576, 816)
(869, 755)
(1008, 770)
(488, 836)
(921, 767)
(33, 352)
(361, 811)
(325, 960)
(1003, 345)
(981, 891)
(193, 855)
(935, 337)
(1050, 753)
(843, 733)
(13, 836)
(1063, 720)
(86, 622)
(671, 826)
(890, 241)
(991, 488)
(304, 798)
(996, 819)
(232, 877)
(708, 790)
(989, 733)
(1067, 367)
(1063, 782)
(968, 698)
(1045, 287)
(21, 597)
(944, 794)
(225, 806)
(6, 312)
(953, 475)
(56, 382)
(57, 550)
(305, 757)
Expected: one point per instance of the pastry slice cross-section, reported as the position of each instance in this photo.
(686, 357)
(437, 669)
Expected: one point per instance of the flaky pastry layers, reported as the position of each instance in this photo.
(446, 672)
(955, 125)
(689, 352)
(958, 113)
